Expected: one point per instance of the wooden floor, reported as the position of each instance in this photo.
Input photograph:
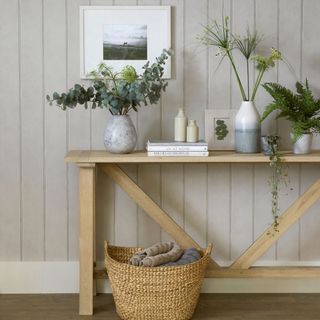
(211, 306)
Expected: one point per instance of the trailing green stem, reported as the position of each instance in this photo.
(278, 175)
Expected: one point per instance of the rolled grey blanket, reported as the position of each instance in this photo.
(153, 261)
(136, 259)
(190, 255)
(159, 248)
(156, 249)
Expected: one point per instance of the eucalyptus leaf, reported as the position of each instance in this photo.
(119, 92)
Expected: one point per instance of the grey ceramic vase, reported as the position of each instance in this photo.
(265, 147)
(247, 128)
(120, 135)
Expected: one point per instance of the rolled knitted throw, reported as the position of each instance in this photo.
(154, 250)
(137, 258)
(159, 248)
(190, 255)
(173, 255)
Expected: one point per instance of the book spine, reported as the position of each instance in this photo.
(177, 148)
(178, 153)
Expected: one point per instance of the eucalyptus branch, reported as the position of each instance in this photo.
(118, 92)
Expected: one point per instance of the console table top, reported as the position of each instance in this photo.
(102, 156)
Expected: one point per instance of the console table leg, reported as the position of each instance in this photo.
(87, 217)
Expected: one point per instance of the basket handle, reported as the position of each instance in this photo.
(208, 249)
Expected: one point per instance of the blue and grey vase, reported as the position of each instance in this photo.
(247, 128)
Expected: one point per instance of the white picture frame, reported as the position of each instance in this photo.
(212, 133)
(110, 27)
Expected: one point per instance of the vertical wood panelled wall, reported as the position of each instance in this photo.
(226, 204)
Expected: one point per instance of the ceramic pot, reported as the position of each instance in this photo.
(303, 144)
(120, 135)
(265, 147)
(180, 126)
(192, 131)
(247, 128)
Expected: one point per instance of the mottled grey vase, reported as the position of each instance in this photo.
(120, 135)
(247, 128)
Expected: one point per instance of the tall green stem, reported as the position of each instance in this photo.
(243, 94)
(248, 79)
(257, 84)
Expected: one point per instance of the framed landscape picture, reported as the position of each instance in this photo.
(219, 128)
(123, 35)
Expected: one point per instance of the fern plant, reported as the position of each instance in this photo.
(300, 108)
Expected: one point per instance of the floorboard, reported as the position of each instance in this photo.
(211, 306)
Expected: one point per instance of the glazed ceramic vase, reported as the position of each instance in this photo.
(265, 146)
(192, 131)
(303, 144)
(180, 126)
(247, 128)
(120, 135)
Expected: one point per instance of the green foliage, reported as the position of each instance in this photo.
(220, 36)
(77, 94)
(300, 108)
(118, 92)
(129, 74)
(247, 44)
(264, 63)
(221, 129)
(278, 175)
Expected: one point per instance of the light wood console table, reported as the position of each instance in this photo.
(242, 266)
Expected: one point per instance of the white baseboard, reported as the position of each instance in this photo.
(63, 277)
(276, 263)
(39, 277)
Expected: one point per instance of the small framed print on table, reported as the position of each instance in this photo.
(123, 35)
(219, 128)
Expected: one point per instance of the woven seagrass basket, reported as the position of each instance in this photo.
(156, 293)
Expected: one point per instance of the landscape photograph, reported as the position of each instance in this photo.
(125, 42)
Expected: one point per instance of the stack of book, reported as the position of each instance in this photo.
(162, 148)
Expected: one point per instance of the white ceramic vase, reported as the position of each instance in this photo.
(303, 144)
(192, 131)
(247, 128)
(120, 135)
(180, 126)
